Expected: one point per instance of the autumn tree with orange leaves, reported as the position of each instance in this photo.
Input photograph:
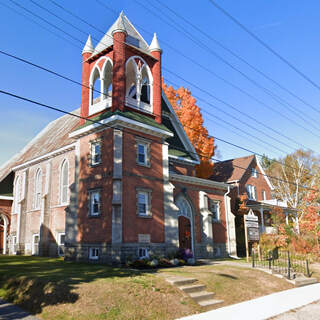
(189, 114)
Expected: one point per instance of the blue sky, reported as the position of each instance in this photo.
(290, 27)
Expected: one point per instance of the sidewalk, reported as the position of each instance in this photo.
(264, 307)
(9, 311)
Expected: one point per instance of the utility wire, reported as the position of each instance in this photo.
(79, 83)
(76, 82)
(220, 100)
(110, 126)
(210, 37)
(265, 45)
(40, 25)
(274, 96)
(207, 112)
(195, 62)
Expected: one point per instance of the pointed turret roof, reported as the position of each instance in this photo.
(154, 46)
(133, 36)
(88, 47)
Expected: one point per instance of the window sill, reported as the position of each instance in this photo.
(91, 216)
(143, 165)
(60, 205)
(95, 165)
(100, 106)
(145, 217)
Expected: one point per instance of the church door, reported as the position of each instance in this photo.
(184, 233)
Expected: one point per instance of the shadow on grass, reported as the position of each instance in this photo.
(36, 282)
(227, 276)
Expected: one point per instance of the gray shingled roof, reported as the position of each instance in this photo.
(54, 136)
(133, 36)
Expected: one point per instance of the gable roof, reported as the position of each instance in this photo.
(230, 170)
(133, 36)
(54, 136)
(233, 170)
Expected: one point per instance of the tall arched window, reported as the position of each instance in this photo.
(37, 189)
(17, 194)
(64, 182)
(138, 84)
(107, 80)
(95, 85)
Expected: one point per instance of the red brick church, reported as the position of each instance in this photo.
(121, 181)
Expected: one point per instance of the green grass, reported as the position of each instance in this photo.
(55, 289)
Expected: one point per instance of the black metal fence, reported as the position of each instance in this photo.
(284, 262)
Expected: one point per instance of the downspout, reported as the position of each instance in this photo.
(226, 208)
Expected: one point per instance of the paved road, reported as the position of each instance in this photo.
(9, 311)
(309, 312)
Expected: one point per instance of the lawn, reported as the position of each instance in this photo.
(55, 289)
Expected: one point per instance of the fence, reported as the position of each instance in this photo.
(283, 262)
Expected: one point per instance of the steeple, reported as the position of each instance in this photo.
(155, 46)
(88, 48)
(119, 25)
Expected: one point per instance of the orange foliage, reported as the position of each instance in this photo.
(191, 119)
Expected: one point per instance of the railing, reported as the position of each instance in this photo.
(282, 262)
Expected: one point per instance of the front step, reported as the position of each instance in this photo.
(179, 281)
(193, 288)
(211, 302)
(201, 296)
(300, 282)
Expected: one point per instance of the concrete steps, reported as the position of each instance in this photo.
(302, 281)
(201, 296)
(194, 290)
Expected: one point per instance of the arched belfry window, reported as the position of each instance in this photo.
(64, 182)
(95, 86)
(138, 84)
(37, 189)
(100, 86)
(107, 80)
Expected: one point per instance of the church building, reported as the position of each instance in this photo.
(118, 181)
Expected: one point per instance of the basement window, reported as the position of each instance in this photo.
(94, 253)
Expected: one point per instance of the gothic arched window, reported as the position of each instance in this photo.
(37, 189)
(107, 79)
(64, 182)
(95, 85)
(138, 84)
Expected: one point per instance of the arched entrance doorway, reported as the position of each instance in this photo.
(185, 223)
(3, 233)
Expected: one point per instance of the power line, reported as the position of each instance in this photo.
(243, 27)
(210, 114)
(195, 62)
(108, 126)
(39, 25)
(210, 37)
(288, 138)
(229, 124)
(274, 96)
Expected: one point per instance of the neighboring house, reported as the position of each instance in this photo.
(6, 199)
(249, 179)
(122, 185)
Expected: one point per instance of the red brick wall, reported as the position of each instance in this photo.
(260, 182)
(5, 208)
(192, 193)
(95, 229)
(187, 170)
(139, 176)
